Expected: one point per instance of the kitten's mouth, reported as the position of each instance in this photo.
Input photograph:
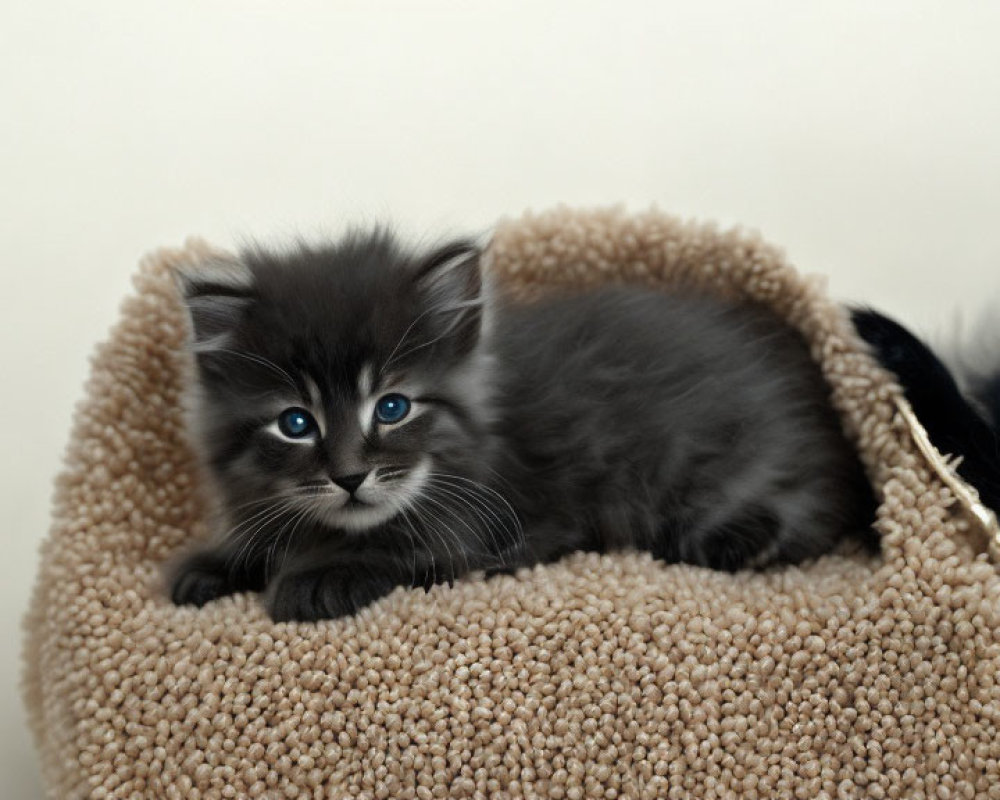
(357, 515)
(379, 504)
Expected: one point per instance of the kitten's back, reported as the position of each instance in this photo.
(679, 423)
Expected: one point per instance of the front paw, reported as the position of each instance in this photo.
(325, 593)
(199, 580)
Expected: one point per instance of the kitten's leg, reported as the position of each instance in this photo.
(326, 585)
(509, 561)
(330, 585)
(327, 591)
(744, 539)
(543, 543)
(208, 574)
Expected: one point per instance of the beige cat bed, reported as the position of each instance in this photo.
(597, 677)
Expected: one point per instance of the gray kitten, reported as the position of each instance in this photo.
(374, 418)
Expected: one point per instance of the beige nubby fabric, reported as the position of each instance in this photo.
(597, 677)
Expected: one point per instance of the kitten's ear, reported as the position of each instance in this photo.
(451, 281)
(216, 293)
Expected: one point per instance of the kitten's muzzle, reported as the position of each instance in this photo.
(350, 483)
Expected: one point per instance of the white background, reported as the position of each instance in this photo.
(863, 137)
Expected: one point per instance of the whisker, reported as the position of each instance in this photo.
(274, 544)
(264, 362)
(251, 520)
(256, 502)
(458, 518)
(413, 547)
(471, 493)
(260, 523)
(294, 522)
(516, 529)
(391, 358)
(441, 538)
(415, 527)
(253, 542)
(480, 486)
(314, 491)
(309, 514)
(457, 495)
(477, 303)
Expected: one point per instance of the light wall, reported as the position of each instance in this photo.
(864, 137)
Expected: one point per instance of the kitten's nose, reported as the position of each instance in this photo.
(350, 483)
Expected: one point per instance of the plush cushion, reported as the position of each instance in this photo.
(600, 676)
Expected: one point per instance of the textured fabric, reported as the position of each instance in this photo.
(600, 676)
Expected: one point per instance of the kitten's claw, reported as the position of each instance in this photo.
(328, 593)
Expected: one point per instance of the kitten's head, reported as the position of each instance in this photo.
(335, 383)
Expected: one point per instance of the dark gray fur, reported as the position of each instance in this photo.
(615, 418)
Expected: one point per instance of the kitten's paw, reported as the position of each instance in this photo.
(195, 587)
(327, 593)
(201, 578)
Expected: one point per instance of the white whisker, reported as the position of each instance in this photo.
(455, 537)
(416, 528)
(298, 519)
(440, 537)
(402, 338)
(264, 362)
(515, 529)
(462, 497)
(413, 547)
(260, 524)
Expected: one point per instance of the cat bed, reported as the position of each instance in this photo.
(599, 676)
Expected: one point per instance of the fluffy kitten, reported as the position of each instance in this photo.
(373, 418)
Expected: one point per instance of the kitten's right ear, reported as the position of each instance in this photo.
(216, 293)
(451, 281)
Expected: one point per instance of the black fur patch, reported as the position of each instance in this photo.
(953, 424)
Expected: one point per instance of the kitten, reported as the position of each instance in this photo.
(958, 423)
(374, 417)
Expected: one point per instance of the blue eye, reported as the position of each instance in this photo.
(296, 423)
(391, 408)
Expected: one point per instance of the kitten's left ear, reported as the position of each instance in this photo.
(216, 293)
(451, 280)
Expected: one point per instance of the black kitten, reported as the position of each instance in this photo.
(375, 418)
(957, 423)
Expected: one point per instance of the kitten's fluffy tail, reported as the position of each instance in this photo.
(960, 410)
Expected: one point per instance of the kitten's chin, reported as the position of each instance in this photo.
(358, 518)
